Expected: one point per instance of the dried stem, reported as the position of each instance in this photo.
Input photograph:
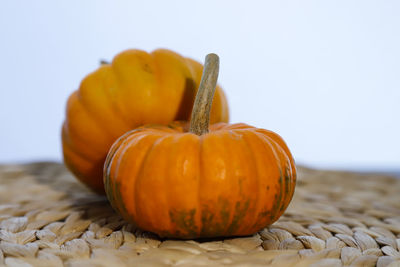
(200, 119)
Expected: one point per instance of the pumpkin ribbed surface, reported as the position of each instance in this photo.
(232, 181)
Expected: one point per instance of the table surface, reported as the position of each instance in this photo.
(47, 218)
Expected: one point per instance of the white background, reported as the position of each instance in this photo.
(325, 75)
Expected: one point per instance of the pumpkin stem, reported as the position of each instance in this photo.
(200, 118)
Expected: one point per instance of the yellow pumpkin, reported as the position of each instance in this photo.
(136, 88)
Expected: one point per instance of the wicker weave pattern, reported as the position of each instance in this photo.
(335, 219)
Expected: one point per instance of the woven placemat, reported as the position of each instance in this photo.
(47, 218)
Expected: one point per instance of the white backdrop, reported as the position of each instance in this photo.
(323, 74)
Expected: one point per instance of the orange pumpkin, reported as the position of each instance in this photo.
(136, 88)
(194, 181)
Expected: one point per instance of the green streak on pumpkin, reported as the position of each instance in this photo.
(206, 219)
(184, 220)
(287, 188)
(281, 192)
(224, 211)
(263, 214)
(240, 213)
(288, 180)
(262, 219)
(277, 200)
(210, 227)
(272, 215)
